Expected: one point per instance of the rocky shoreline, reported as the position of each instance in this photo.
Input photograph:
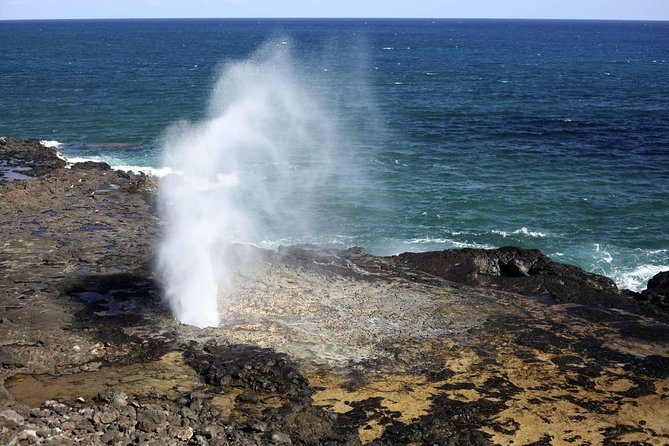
(456, 347)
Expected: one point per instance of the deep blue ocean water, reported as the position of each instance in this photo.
(454, 133)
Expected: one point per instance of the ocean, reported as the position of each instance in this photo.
(431, 134)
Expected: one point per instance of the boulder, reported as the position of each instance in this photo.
(657, 291)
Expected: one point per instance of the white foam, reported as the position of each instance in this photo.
(159, 172)
(83, 159)
(605, 256)
(446, 241)
(637, 279)
(51, 143)
(335, 241)
(147, 170)
(56, 145)
(521, 231)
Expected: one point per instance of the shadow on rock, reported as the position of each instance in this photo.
(113, 305)
(261, 375)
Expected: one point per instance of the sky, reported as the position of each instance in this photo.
(537, 9)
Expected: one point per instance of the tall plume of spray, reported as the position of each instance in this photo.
(242, 174)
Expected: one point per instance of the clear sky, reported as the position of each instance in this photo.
(560, 9)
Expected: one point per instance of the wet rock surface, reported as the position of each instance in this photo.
(528, 272)
(317, 346)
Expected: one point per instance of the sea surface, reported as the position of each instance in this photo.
(447, 133)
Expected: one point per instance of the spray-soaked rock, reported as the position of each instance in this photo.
(524, 271)
(248, 366)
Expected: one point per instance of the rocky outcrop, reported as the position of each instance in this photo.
(20, 158)
(657, 291)
(524, 271)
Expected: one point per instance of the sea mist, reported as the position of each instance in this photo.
(243, 174)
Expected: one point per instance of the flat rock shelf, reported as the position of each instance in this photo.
(463, 347)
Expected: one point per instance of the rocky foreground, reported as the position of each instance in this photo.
(465, 347)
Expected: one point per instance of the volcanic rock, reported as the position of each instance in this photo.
(524, 271)
(657, 291)
(316, 346)
(28, 157)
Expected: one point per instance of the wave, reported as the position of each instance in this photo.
(115, 163)
(159, 172)
(521, 231)
(83, 159)
(637, 278)
(449, 243)
(629, 269)
(147, 170)
(51, 143)
(330, 241)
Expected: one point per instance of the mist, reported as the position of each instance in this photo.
(245, 173)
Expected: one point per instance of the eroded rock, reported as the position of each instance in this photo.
(524, 271)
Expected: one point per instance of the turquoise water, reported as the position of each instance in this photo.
(546, 134)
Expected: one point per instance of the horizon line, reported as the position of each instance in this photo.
(335, 18)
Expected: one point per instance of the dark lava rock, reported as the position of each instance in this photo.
(450, 423)
(256, 369)
(241, 365)
(29, 157)
(524, 271)
(657, 291)
(91, 165)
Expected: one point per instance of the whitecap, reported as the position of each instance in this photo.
(446, 241)
(529, 233)
(522, 231)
